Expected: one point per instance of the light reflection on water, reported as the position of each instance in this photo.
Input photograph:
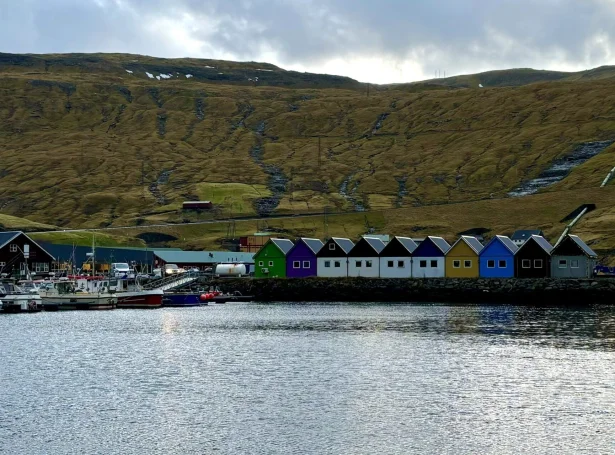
(309, 379)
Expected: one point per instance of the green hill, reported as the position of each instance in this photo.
(92, 140)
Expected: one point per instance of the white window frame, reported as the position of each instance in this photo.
(401, 264)
(562, 263)
(466, 262)
(270, 263)
(358, 264)
(331, 246)
(261, 263)
(423, 263)
(491, 263)
(457, 264)
(296, 264)
(369, 264)
(524, 262)
(536, 262)
(328, 264)
(307, 264)
(573, 262)
(434, 264)
(13, 248)
(500, 266)
(338, 264)
(390, 264)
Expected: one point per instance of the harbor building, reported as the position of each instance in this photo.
(573, 258)
(396, 258)
(301, 261)
(364, 258)
(270, 261)
(19, 254)
(462, 259)
(497, 259)
(533, 260)
(333, 258)
(428, 260)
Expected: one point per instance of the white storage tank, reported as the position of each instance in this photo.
(231, 270)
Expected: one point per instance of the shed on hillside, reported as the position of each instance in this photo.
(364, 258)
(396, 258)
(428, 260)
(332, 259)
(573, 258)
(533, 260)
(270, 261)
(301, 261)
(497, 259)
(462, 258)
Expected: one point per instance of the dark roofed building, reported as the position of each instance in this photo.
(396, 258)
(573, 258)
(19, 254)
(533, 260)
(364, 258)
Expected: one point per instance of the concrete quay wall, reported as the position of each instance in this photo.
(547, 292)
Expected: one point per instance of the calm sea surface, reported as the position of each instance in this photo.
(309, 379)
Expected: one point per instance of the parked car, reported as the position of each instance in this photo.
(121, 269)
(173, 269)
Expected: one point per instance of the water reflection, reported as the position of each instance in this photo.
(309, 379)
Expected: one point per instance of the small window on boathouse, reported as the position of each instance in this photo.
(423, 264)
(502, 263)
(467, 264)
(338, 264)
(434, 264)
(358, 264)
(491, 264)
(526, 263)
(574, 264)
(390, 264)
(401, 265)
(563, 263)
(296, 265)
(261, 263)
(538, 263)
(328, 264)
(332, 246)
(457, 264)
(368, 264)
(306, 264)
(270, 263)
(13, 248)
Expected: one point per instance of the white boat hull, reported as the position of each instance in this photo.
(21, 303)
(79, 302)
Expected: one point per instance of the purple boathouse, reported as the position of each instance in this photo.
(301, 260)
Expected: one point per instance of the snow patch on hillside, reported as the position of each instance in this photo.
(188, 76)
(150, 75)
(129, 72)
(166, 76)
(261, 69)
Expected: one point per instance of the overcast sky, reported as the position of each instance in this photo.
(378, 41)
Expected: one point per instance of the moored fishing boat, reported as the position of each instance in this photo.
(16, 299)
(68, 295)
(181, 299)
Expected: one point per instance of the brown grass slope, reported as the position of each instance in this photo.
(85, 143)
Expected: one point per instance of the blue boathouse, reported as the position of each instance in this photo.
(497, 259)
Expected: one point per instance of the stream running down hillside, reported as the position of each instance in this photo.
(276, 181)
(560, 168)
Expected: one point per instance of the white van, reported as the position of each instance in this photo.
(120, 269)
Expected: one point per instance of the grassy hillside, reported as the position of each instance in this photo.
(92, 140)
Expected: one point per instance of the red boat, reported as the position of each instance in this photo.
(140, 299)
(130, 294)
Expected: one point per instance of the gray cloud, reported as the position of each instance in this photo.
(439, 34)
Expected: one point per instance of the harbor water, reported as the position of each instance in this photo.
(309, 379)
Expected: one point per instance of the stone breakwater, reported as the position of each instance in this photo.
(437, 290)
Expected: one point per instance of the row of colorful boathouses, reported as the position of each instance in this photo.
(432, 257)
